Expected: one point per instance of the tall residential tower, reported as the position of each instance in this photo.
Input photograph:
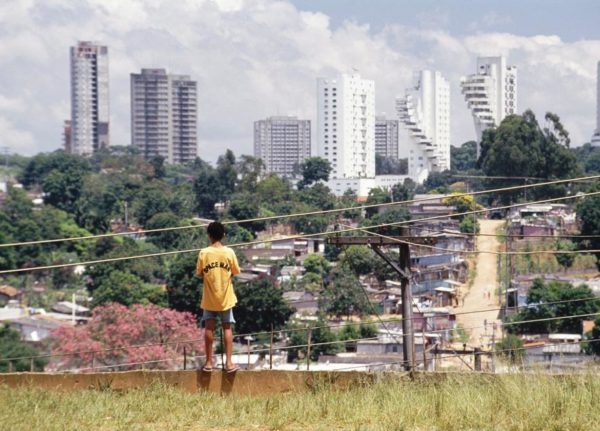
(282, 143)
(163, 115)
(491, 93)
(346, 125)
(425, 113)
(89, 98)
(386, 137)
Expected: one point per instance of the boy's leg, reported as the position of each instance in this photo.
(209, 338)
(228, 339)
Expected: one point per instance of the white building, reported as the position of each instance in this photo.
(386, 137)
(282, 143)
(595, 141)
(346, 125)
(425, 113)
(491, 93)
(89, 98)
(164, 115)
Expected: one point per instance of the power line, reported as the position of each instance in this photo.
(245, 244)
(304, 214)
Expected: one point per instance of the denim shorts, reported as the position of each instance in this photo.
(226, 316)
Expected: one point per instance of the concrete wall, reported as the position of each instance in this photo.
(240, 383)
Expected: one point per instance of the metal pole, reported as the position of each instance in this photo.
(10, 366)
(248, 351)
(184, 358)
(31, 365)
(408, 346)
(424, 352)
(308, 337)
(271, 350)
(493, 349)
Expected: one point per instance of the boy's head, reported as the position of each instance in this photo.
(216, 231)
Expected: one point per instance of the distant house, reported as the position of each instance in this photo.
(305, 303)
(32, 329)
(66, 307)
(8, 293)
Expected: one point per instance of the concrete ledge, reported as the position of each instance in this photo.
(239, 383)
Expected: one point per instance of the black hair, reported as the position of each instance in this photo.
(216, 230)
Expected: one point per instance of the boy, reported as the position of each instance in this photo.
(217, 265)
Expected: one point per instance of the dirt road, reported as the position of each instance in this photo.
(482, 292)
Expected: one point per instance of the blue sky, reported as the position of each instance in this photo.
(257, 58)
(570, 19)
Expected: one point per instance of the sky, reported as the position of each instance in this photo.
(257, 58)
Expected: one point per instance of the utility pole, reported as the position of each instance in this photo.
(403, 269)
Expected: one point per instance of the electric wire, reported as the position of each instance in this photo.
(303, 214)
(301, 236)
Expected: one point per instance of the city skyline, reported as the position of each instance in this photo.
(240, 52)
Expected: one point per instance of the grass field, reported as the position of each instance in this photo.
(509, 402)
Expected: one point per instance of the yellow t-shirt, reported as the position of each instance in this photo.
(217, 266)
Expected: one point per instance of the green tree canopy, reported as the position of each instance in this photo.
(260, 306)
(539, 296)
(11, 346)
(314, 169)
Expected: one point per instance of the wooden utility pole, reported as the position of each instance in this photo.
(403, 269)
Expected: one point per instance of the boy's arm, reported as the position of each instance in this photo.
(199, 266)
(235, 267)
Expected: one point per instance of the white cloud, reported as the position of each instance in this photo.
(258, 58)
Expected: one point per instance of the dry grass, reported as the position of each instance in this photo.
(474, 402)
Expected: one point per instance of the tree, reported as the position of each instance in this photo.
(260, 306)
(158, 165)
(125, 288)
(323, 342)
(244, 206)
(164, 332)
(538, 297)
(164, 240)
(226, 174)
(389, 216)
(565, 259)
(377, 195)
(390, 166)
(183, 285)
(463, 158)
(404, 191)
(359, 259)
(511, 348)
(344, 296)
(314, 169)
(593, 346)
(520, 145)
(11, 346)
(153, 199)
(206, 189)
(249, 171)
(588, 213)
(316, 264)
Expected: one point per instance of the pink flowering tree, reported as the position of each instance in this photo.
(122, 338)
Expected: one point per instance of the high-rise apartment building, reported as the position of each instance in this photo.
(89, 98)
(491, 93)
(282, 143)
(164, 115)
(595, 141)
(386, 137)
(346, 125)
(425, 113)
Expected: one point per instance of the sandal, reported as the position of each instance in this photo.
(207, 369)
(232, 369)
